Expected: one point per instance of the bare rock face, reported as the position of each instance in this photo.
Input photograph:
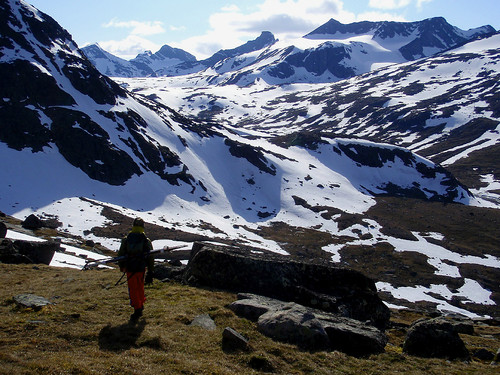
(341, 291)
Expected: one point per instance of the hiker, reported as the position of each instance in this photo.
(136, 246)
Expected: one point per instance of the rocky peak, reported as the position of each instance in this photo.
(333, 27)
(265, 39)
(174, 53)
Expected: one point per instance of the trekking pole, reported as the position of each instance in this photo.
(94, 263)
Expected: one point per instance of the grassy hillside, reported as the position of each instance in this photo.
(86, 331)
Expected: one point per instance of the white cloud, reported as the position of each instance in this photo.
(420, 3)
(137, 40)
(230, 8)
(177, 28)
(232, 26)
(389, 4)
(286, 19)
(143, 28)
(129, 47)
(380, 16)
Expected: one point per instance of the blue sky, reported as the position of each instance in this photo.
(202, 27)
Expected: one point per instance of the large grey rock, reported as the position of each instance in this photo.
(309, 328)
(323, 286)
(435, 338)
(20, 251)
(252, 306)
(296, 326)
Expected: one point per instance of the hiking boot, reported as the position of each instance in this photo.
(136, 315)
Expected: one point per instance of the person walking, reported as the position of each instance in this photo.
(136, 246)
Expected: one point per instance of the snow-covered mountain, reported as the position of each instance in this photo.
(61, 111)
(113, 66)
(332, 52)
(80, 147)
(143, 65)
(444, 107)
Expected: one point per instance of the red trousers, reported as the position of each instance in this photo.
(135, 282)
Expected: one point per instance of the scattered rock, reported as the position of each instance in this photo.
(204, 321)
(261, 363)
(233, 340)
(322, 286)
(31, 301)
(483, 354)
(435, 338)
(496, 359)
(32, 222)
(309, 328)
(165, 272)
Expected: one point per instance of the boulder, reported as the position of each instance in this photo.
(319, 285)
(32, 222)
(435, 338)
(232, 340)
(204, 321)
(166, 272)
(296, 326)
(3, 230)
(20, 251)
(31, 301)
(483, 354)
(309, 328)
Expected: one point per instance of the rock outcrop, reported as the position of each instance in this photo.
(341, 291)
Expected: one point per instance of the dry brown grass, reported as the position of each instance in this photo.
(87, 331)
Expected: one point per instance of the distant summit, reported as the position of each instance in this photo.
(265, 39)
(418, 39)
(111, 65)
(334, 51)
(144, 64)
(165, 58)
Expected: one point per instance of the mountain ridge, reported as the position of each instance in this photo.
(341, 55)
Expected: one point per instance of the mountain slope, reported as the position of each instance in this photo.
(444, 107)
